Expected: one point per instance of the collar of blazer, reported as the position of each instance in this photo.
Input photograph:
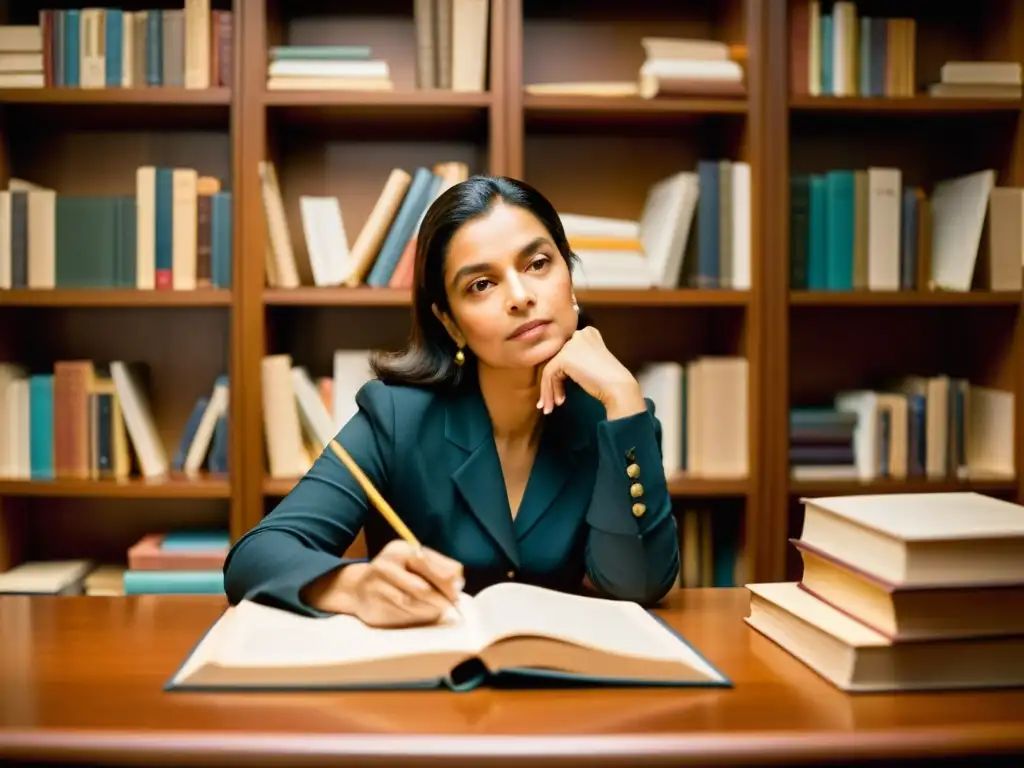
(567, 432)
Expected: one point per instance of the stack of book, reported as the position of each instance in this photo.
(21, 56)
(323, 67)
(979, 80)
(904, 592)
(683, 67)
(177, 562)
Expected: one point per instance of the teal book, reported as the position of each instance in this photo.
(40, 417)
(817, 244)
(839, 230)
(508, 635)
(174, 582)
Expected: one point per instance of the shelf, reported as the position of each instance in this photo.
(683, 486)
(202, 487)
(397, 297)
(680, 486)
(910, 485)
(120, 108)
(541, 104)
(115, 297)
(99, 97)
(905, 298)
(917, 105)
(428, 108)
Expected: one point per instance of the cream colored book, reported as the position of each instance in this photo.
(518, 631)
(921, 539)
(856, 658)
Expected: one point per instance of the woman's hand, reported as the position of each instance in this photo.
(585, 359)
(398, 588)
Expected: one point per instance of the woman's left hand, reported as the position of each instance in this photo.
(585, 359)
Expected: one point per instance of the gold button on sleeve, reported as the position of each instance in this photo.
(636, 490)
(633, 470)
(639, 509)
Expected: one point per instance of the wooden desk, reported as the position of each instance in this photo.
(81, 678)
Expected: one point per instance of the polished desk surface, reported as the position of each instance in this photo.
(81, 680)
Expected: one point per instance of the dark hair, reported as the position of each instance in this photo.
(429, 357)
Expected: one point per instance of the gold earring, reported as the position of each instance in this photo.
(460, 357)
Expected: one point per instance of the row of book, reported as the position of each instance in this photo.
(865, 229)
(934, 427)
(671, 67)
(382, 254)
(903, 592)
(174, 562)
(702, 405)
(834, 51)
(837, 51)
(87, 420)
(712, 548)
(452, 44)
(174, 233)
(682, 237)
(693, 231)
(187, 47)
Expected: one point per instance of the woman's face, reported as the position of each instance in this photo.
(509, 290)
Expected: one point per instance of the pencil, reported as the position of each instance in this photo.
(376, 499)
(379, 502)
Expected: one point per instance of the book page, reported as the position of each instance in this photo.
(620, 628)
(263, 636)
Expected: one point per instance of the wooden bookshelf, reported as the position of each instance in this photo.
(823, 342)
(588, 155)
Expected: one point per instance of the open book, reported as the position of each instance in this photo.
(507, 630)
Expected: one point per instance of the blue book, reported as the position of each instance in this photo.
(114, 24)
(526, 636)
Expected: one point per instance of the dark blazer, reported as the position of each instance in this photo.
(433, 457)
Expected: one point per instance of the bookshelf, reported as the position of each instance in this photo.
(588, 154)
(826, 341)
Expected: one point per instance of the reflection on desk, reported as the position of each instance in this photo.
(82, 678)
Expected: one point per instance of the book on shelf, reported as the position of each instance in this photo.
(301, 415)
(903, 592)
(866, 229)
(702, 407)
(693, 230)
(90, 420)
(672, 67)
(929, 427)
(174, 233)
(836, 51)
(100, 48)
(451, 46)
(979, 80)
(508, 631)
(382, 254)
(681, 237)
(179, 562)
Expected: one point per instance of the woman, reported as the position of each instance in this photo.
(512, 443)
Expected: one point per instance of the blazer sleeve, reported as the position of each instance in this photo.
(304, 536)
(631, 557)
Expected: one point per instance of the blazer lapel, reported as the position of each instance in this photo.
(479, 478)
(557, 459)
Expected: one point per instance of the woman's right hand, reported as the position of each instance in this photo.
(398, 588)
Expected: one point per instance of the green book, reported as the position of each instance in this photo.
(516, 633)
(320, 53)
